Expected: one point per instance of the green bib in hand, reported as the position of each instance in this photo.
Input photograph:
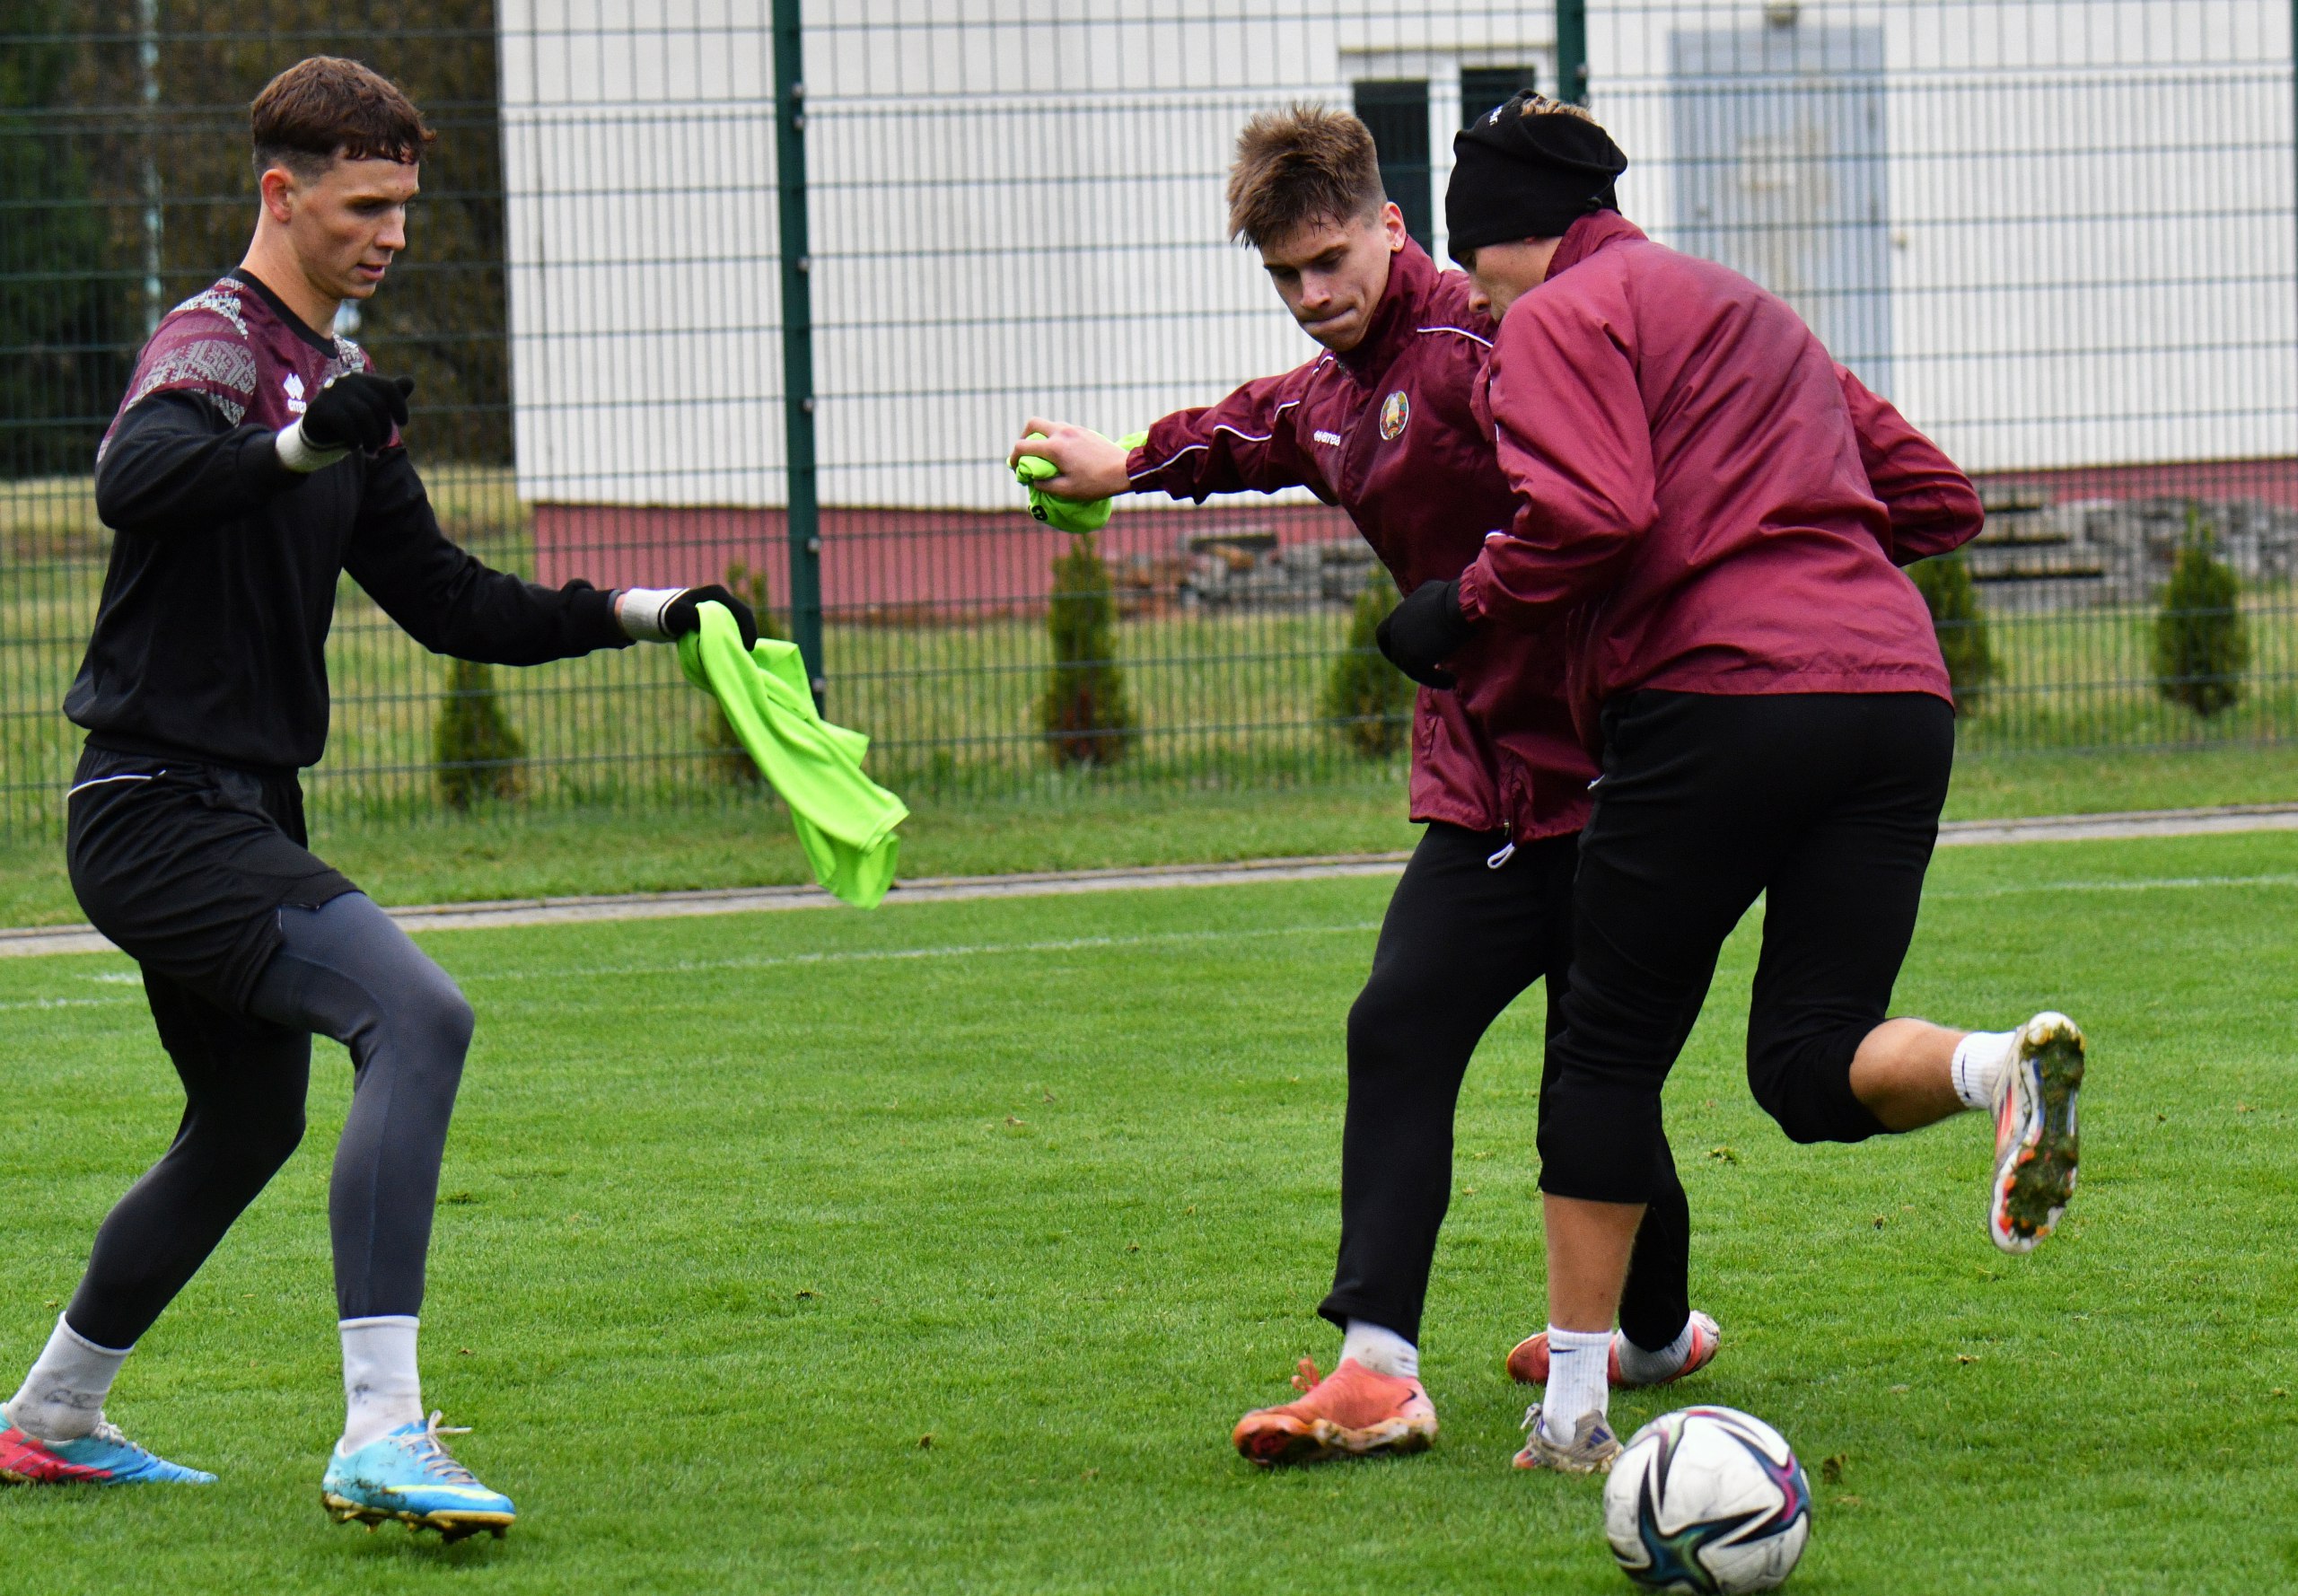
(1065, 515)
(845, 821)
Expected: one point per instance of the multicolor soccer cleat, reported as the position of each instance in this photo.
(1528, 1361)
(1593, 1446)
(1351, 1413)
(409, 1475)
(2035, 1132)
(104, 1457)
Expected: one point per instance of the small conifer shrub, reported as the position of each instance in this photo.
(1948, 592)
(2202, 643)
(1084, 712)
(476, 752)
(1367, 700)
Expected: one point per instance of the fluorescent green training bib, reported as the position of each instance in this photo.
(845, 821)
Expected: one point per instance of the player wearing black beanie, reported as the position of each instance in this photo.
(1528, 169)
(1710, 508)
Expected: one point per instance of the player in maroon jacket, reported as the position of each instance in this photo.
(1380, 423)
(1714, 508)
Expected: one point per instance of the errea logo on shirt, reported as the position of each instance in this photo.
(1323, 436)
(294, 384)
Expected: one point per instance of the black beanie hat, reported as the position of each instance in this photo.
(1516, 176)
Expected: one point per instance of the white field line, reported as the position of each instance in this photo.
(737, 900)
(2144, 883)
(734, 900)
(1066, 944)
(1146, 939)
(679, 967)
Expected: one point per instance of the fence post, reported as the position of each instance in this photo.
(147, 57)
(1572, 50)
(798, 342)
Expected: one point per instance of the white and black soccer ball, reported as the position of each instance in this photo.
(1707, 1500)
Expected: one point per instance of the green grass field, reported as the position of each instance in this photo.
(937, 1249)
(518, 851)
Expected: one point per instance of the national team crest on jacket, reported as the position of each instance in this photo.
(1394, 413)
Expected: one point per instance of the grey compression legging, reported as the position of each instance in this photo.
(346, 971)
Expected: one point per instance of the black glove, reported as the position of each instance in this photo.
(666, 614)
(682, 614)
(1426, 629)
(356, 410)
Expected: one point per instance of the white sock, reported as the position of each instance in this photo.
(1650, 1368)
(63, 1397)
(1578, 1383)
(1379, 1349)
(1978, 1069)
(381, 1388)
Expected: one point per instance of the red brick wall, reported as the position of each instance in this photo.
(947, 563)
(2270, 481)
(951, 564)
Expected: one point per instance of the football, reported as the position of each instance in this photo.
(1708, 1500)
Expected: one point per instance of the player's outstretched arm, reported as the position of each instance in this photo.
(451, 601)
(1243, 444)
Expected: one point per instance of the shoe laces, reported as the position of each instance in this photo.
(436, 1459)
(1539, 1436)
(107, 1431)
(1307, 1380)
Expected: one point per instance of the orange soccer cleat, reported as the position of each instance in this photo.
(1351, 1413)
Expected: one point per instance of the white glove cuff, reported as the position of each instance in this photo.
(642, 611)
(299, 454)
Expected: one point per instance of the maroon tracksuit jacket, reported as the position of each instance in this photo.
(1387, 433)
(1716, 503)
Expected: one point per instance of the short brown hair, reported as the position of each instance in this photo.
(1540, 105)
(1298, 167)
(325, 109)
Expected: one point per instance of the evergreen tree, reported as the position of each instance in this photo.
(478, 753)
(2202, 643)
(60, 371)
(1366, 699)
(1084, 712)
(1947, 590)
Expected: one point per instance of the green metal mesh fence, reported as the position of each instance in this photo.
(2061, 236)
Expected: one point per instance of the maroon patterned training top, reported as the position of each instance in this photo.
(210, 641)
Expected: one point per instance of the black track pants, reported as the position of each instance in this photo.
(1826, 804)
(344, 970)
(1461, 941)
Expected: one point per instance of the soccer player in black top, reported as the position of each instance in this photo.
(254, 459)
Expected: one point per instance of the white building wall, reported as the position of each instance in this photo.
(2091, 228)
(2092, 257)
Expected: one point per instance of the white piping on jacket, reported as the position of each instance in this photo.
(1463, 331)
(1220, 428)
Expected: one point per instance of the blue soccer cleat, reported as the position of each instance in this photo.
(102, 1457)
(408, 1476)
